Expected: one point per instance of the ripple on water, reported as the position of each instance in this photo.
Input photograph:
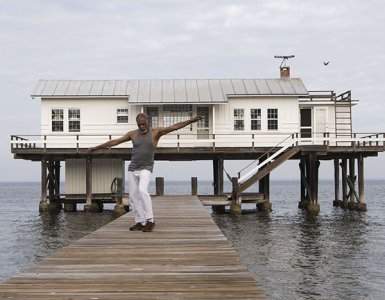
(338, 255)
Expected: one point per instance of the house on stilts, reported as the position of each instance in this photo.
(268, 121)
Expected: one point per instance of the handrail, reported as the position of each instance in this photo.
(268, 141)
(265, 153)
(250, 173)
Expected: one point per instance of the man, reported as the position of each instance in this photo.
(144, 140)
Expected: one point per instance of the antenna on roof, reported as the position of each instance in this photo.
(284, 58)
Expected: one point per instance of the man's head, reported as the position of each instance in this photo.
(142, 121)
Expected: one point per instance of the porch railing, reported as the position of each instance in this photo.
(249, 140)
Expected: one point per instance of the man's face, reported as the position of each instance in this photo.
(142, 125)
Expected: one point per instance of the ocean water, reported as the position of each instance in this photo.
(338, 255)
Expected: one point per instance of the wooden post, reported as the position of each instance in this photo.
(337, 200)
(159, 186)
(352, 177)
(51, 181)
(194, 186)
(215, 176)
(89, 181)
(313, 206)
(302, 170)
(235, 207)
(264, 187)
(361, 184)
(57, 180)
(43, 180)
(220, 176)
(90, 206)
(344, 203)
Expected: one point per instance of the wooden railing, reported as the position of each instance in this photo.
(249, 140)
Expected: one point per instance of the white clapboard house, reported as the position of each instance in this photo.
(237, 113)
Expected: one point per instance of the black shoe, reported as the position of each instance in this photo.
(137, 227)
(148, 227)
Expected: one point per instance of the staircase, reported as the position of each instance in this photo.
(343, 116)
(268, 165)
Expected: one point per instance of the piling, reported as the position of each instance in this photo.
(337, 200)
(90, 205)
(344, 203)
(313, 207)
(159, 186)
(235, 207)
(361, 184)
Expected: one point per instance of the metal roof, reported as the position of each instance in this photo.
(171, 90)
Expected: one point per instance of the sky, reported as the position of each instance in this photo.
(116, 39)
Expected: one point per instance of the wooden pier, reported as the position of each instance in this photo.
(186, 257)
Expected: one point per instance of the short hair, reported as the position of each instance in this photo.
(141, 116)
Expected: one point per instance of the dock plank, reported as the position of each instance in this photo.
(186, 257)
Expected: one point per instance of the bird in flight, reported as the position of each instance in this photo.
(326, 63)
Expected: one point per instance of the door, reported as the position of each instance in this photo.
(320, 122)
(203, 125)
(306, 122)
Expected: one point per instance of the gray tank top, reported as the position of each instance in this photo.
(142, 155)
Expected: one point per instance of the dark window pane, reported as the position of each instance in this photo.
(238, 125)
(272, 124)
(305, 132)
(57, 117)
(255, 113)
(74, 126)
(306, 117)
(57, 126)
(255, 124)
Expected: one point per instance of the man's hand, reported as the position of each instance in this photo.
(197, 118)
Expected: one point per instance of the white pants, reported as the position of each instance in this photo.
(139, 197)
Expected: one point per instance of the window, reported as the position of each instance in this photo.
(57, 117)
(74, 120)
(255, 117)
(272, 118)
(122, 115)
(177, 113)
(239, 122)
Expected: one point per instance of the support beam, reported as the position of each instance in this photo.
(352, 185)
(337, 201)
(264, 187)
(303, 175)
(218, 176)
(313, 206)
(344, 172)
(57, 180)
(90, 206)
(51, 181)
(43, 205)
(235, 207)
(361, 184)
(51, 203)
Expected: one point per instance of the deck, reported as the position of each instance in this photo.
(186, 257)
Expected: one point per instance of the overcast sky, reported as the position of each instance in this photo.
(183, 39)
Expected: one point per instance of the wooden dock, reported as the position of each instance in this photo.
(186, 257)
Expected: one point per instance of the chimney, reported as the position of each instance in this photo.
(285, 72)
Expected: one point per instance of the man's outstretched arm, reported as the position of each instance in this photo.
(114, 142)
(176, 126)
